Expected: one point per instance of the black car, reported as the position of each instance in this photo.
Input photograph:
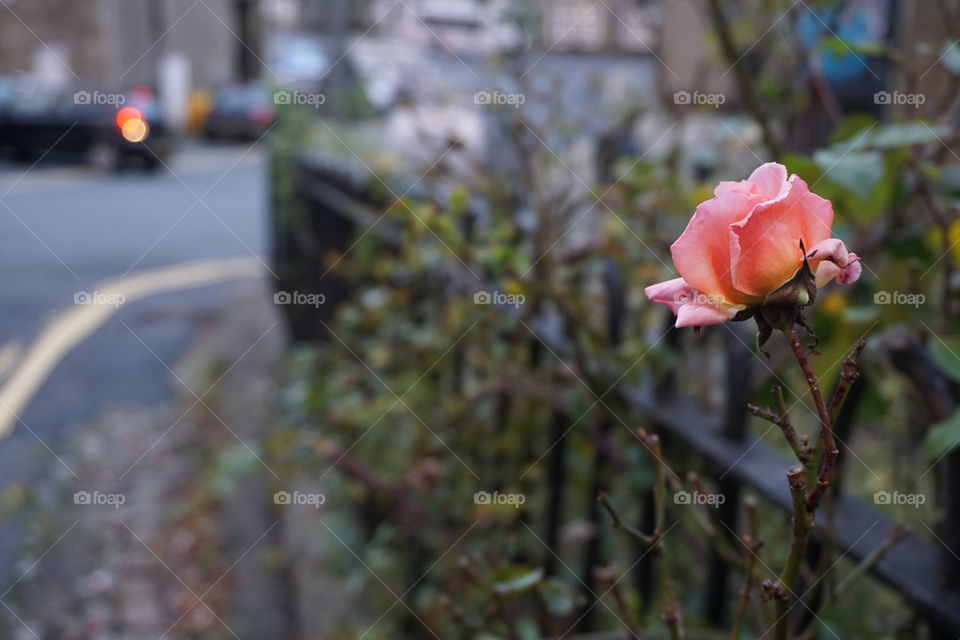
(110, 129)
(240, 112)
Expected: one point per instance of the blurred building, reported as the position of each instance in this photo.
(122, 42)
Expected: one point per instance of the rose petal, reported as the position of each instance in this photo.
(769, 180)
(702, 253)
(765, 246)
(669, 293)
(693, 308)
(702, 315)
(829, 259)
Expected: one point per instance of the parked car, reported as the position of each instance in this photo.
(240, 112)
(110, 129)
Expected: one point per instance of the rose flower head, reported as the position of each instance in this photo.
(760, 248)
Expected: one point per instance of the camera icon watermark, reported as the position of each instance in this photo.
(496, 98)
(899, 98)
(99, 298)
(895, 497)
(497, 498)
(499, 298)
(697, 98)
(314, 100)
(896, 297)
(710, 499)
(298, 498)
(96, 498)
(296, 297)
(98, 98)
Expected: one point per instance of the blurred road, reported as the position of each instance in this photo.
(66, 229)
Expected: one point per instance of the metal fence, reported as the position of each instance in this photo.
(328, 206)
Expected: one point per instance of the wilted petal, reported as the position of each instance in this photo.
(830, 259)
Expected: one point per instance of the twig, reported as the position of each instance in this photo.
(618, 522)
(745, 82)
(893, 537)
(848, 375)
(752, 543)
(802, 523)
(606, 578)
(672, 612)
(782, 420)
(825, 439)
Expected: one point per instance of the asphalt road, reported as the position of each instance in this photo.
(65, 229)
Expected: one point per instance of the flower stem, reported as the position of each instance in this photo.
(825, 439)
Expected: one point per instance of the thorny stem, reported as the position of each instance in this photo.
(752, 543)
(825, 438)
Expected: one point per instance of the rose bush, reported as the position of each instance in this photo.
(747, 243)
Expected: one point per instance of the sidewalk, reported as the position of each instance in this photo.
(168, 526)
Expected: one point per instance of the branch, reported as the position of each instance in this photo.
(825, 439)
(800, 447)
(802, 523)
(618, 522)
(745, 82)
(893, 537)
(672, 613)
(752, 544)
(848, 375)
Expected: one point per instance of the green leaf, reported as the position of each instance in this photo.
(858, 171)
(942, 437)
(516, 579)
(945, 354)
(901, 135)
(560, 599)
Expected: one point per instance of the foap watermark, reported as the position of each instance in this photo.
(895, 497)
(899, 98)
(487, 498)
(299, 498)
(297, 297)
(99, 98)
(498, 297)
(696, 497)
(304, 98)
(897, 297)
(97, 498)
(697, 98)
(497, 98)
(697, 298)
(99, 298)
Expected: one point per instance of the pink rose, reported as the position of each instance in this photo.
(744, 244)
